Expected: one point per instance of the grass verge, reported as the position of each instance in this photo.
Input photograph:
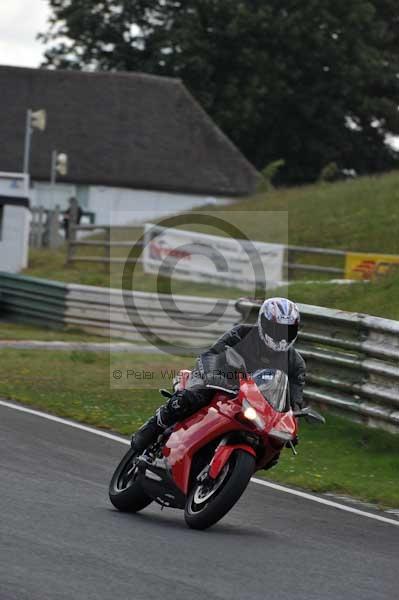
(340, 457)
(21, 331)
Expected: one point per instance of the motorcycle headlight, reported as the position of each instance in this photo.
(252, 415)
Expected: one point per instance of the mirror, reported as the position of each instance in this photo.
(315, 417)
(234, 359)
(311, 415)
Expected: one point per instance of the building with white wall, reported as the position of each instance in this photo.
(134, 142)
(14, 221)
(144, 205)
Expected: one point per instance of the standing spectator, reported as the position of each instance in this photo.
(72, 215)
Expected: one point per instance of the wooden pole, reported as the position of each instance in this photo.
(71, 228)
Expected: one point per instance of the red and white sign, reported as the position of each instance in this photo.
(212, 259)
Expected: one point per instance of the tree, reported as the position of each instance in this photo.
(312, 82)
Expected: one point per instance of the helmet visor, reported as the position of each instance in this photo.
(279, 331)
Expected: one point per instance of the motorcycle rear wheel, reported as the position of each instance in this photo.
(125, 493)
(204, 507)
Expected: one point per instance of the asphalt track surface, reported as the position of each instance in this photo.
(61, 539)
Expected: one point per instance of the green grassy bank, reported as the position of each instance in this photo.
(379, 298)
(360, 214)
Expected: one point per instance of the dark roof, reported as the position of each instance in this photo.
(119, 129)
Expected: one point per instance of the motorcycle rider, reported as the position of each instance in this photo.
(268, 343)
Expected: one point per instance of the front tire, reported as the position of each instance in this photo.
(205, 507)
(125, 493)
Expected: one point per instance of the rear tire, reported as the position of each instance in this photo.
(125, 493)
(203, 514)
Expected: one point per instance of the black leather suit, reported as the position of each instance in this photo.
(212, 368)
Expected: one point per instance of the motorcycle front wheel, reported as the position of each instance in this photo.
(125, 493)
(209, 501)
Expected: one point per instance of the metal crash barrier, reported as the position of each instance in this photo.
(352, 361)
(104, 311)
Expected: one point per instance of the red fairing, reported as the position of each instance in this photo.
(194, 433)
(273, 419)
(223, 454)
(222, 417)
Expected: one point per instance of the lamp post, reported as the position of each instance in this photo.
(59, 164)
(34, 120)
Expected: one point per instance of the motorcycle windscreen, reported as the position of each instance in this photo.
(273, 385)
(215, 370)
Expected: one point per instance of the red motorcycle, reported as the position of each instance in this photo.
(204, 463)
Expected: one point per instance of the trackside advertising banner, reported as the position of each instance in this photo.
(365, 266)
(212, 259)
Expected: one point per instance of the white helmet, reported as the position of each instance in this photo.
(278, 323)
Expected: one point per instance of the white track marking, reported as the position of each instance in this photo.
(268, 484)
(324, 501)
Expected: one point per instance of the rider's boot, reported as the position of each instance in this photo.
(179, 406)
(147, 434)
(152, 429)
